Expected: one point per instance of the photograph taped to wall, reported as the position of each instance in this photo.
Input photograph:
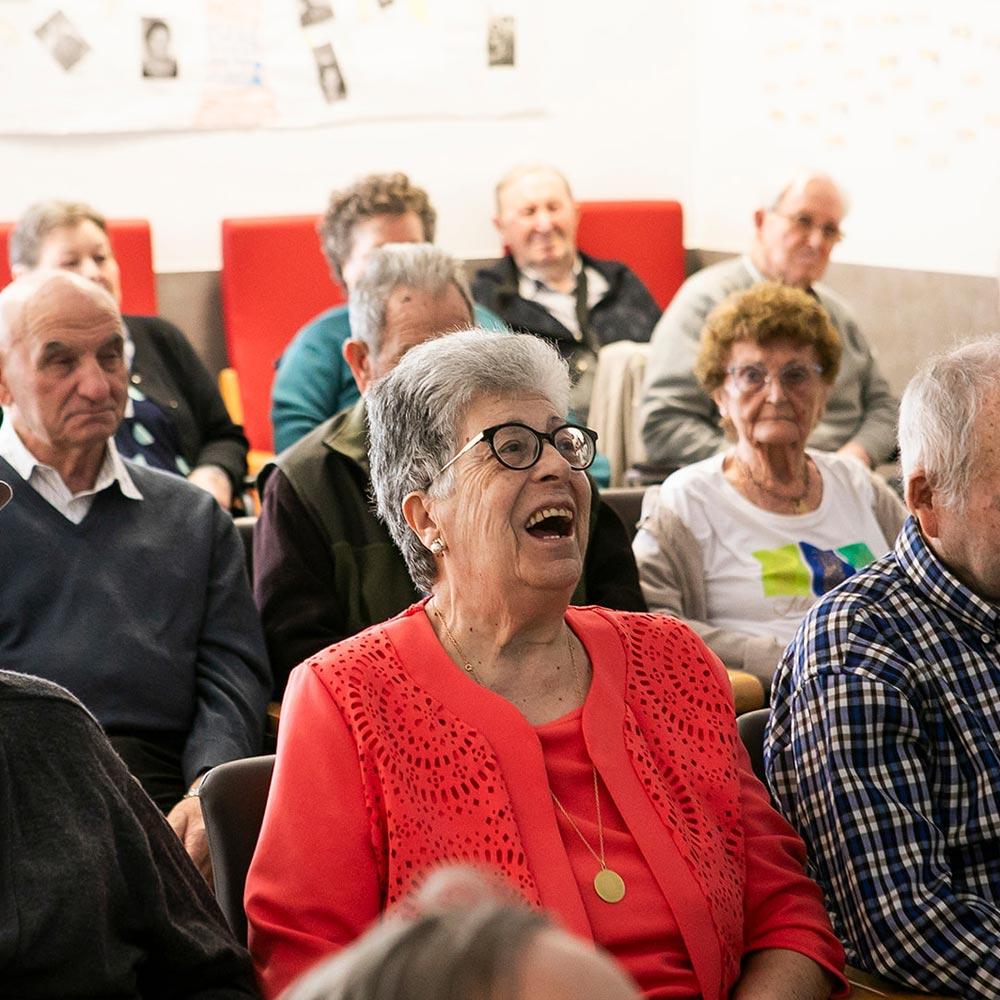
(257, 63)
(331, 80)
(314, 13)
(158, 61)
(500, 41)
(64, 42)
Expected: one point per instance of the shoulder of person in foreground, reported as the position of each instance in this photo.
(124, 909)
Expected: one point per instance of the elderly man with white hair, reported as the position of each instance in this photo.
(884, 743)
(794, 233)
(124, 584)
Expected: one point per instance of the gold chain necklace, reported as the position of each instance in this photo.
(469, 669)
(796, 501)
(608, 884)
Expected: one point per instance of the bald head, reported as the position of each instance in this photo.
(55, 293)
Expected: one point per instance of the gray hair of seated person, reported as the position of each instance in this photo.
(415, 414)
(30, 231)
(773, 191)
(459, 954)
(420, 266)
(938, 413)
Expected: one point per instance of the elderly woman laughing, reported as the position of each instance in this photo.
(588, 757)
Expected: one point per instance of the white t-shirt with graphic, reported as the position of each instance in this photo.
(763, 571)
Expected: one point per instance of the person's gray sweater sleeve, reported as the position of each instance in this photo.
(879, 406)
(679, 422)
(861, 407)
(672, 575)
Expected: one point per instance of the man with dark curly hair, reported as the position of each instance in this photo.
(314, 381)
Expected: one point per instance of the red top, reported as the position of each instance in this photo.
(391, 761)
(639, 931)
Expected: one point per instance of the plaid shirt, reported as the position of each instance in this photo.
(884, 752)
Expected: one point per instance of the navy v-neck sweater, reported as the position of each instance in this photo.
(143, 611)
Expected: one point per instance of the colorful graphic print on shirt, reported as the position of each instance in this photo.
(803, 570)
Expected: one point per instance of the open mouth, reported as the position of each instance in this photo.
(551, 522)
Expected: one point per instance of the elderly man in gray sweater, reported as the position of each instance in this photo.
(793, 236)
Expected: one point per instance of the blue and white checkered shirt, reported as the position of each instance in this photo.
(884, 752)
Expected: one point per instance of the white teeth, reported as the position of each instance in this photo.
(548, 512)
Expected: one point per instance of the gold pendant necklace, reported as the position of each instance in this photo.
(608, 884)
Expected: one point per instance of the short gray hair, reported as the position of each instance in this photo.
(420, 266)
(938, 413)
(458, 954)
(30, 231)
(415, 414)
(772, 193)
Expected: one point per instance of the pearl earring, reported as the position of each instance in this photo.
(437, 546)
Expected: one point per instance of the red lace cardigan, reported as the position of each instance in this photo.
(391, 760)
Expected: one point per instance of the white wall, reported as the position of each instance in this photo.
(699, 102)
(618, 108)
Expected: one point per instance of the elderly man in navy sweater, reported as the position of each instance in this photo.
(121, 583)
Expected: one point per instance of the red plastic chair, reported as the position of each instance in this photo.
(132, 243)
(646, 235)
(274, 279)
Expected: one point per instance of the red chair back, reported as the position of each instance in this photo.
(274, 279)
(646, 235)
(132, 243)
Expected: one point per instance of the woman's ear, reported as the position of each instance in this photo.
(418, 509)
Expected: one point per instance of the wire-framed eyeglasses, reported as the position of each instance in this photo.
(518, 446)
(794, 376)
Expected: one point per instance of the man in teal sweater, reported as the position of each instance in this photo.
(124, 584)
(314, 380)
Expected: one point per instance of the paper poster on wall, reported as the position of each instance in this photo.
(83, 66)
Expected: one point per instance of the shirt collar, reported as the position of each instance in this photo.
(936, 582)
(535, 276)
(24, 463)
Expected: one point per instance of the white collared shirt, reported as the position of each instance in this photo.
(49, 484)
(562, 305)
